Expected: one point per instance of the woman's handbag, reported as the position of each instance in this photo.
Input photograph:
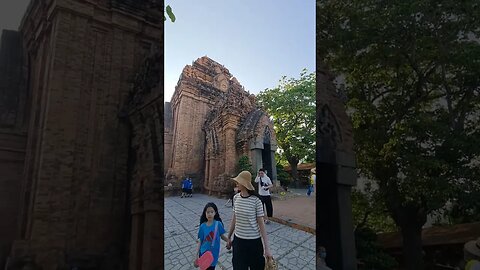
(207, 258)
(270, 264)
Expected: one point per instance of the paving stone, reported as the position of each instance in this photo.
(291, 234)
(293, 249)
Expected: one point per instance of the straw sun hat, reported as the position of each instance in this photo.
(245, 179)
(473, 247)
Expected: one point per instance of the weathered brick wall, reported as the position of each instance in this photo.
(194, 96)
(209, 107)
(168, 135)
(12, 136)
(145, 114)
(76, 180)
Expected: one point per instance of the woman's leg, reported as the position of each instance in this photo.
(256, 255)
(263, 199)
(240, 258)
(269, 206)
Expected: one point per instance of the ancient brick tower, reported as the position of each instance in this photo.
(210, 123)
(84, 136)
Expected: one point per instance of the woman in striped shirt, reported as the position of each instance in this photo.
(247, 222)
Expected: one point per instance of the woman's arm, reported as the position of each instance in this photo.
(263, 233)
(232, 227)
(230, 231)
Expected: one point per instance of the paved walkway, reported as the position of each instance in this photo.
(292, 248)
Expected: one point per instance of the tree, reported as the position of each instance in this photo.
(369, 253)
(283, 176)
(292, 106)
(412, 79)
(244, 164)
(369, 211)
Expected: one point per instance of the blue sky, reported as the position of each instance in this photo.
(258, 41)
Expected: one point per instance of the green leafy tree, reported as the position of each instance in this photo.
(370, 217)
(369, 253)
(292, 106)
(412, 79)
(282, 176)
(369, 211)
(244, 164)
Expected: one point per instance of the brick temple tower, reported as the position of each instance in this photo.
(84, 136)
(210, 123)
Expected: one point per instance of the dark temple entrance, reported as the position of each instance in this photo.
(267, 159)
(267, 154)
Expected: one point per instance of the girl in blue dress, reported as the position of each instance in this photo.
(209, 233)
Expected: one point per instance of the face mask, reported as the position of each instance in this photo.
(323, 255)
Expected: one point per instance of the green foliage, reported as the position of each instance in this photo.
(369, 253)
(280, 158)
(244, 164)
(369, 211)
(169, 11)
(370, 217)
(412, 79)
(292, 106)
(283, 176)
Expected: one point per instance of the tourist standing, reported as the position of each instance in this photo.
(184, 187)
(189, 187)
(249, 228)
(264, 185)
(311, 184)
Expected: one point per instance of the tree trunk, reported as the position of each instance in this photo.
(293, 164)
(410, 217)
(412, 245)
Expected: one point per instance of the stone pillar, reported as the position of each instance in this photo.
(230, 149)
(273, 173)
(256, 159)
(335, 177)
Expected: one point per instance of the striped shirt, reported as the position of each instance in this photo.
(246, 212)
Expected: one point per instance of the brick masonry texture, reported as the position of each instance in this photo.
(84, 157)
(210, 123)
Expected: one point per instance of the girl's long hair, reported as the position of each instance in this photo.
(203, 217)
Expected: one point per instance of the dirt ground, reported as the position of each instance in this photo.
(295, 207)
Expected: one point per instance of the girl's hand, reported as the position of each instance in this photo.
(229, 244)
(195, 263)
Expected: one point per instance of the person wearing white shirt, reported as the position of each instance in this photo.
(264, 185)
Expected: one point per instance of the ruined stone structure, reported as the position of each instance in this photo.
(81, 136)
(336, 174)
(210, 123)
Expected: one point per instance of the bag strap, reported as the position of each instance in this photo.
(214, 234)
